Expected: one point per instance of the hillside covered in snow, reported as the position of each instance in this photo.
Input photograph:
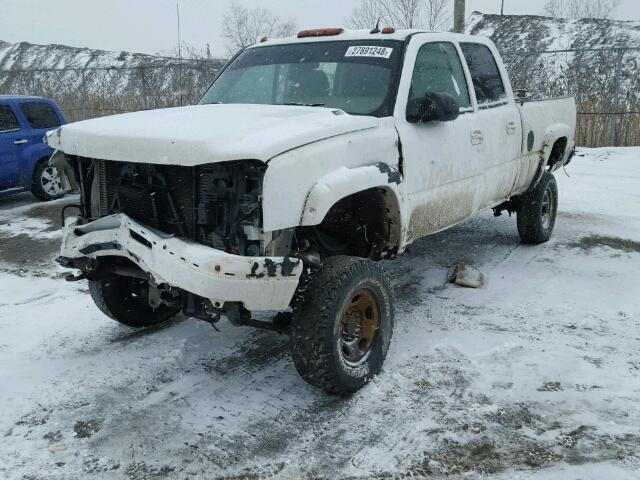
(513, 33)
(89, 83)
(594, 60)
(27, 56)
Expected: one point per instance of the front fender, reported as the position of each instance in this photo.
(319, 174)
(343, 182)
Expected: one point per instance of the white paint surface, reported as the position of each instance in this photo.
(212, 274)
(202, 134)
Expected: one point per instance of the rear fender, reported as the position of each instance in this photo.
(551, 135)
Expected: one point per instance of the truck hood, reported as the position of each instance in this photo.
(202, 134)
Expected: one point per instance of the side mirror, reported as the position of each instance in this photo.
(433, 107)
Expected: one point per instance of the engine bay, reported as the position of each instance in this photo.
(218, 205)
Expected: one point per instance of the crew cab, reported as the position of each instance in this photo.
(306, 162)
(23, 155)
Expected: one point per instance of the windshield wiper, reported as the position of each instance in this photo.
(296, 104)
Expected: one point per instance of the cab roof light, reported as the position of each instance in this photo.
(264, 39)
(320, 32)
(387, 30)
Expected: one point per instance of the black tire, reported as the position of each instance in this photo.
(537, 211)
(46, 184)
(319, 334)
(118, 300)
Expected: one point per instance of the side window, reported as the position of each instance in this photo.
(40, 115)
(487, 82)
(438, 69)
(8, 121)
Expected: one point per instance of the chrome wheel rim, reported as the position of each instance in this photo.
(547, 208)
(51, 182)
(359, 325)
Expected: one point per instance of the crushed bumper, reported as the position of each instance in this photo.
(260, 283)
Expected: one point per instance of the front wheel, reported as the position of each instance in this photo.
(538, 210)
(46, 184)
(341, 330)
(126, 300)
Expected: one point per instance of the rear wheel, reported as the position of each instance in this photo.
(46, 184)
(538, 210)
(342, 329)
(126, 300)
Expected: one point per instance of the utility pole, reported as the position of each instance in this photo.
(502, 8)
(179, 54)
(458, 16)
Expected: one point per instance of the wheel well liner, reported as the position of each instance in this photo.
(364, 224)
(558, 152)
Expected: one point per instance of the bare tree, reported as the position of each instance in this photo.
(187, 51)
(581, 8)
(242, 26)
(437, 14)
(402, 13)
(427, 14)
(366, 15)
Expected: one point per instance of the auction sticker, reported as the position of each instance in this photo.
(368, 51)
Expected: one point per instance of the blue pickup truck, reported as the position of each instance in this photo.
(23, 155)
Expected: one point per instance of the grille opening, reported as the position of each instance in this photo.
(212, 204)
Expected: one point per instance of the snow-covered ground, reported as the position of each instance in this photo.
(535, 376)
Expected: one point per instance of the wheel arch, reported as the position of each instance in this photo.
(556, 147)
(367, 223)
(556, 150)
(344, 182)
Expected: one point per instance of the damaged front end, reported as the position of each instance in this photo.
(193, 234)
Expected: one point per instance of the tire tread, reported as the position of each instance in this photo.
(528, 216)
(312, 328)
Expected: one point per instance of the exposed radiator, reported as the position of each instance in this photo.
(211, 204)
(103, 188)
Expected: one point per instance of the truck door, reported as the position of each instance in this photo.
(441, 166)
(500, 124)
(11, 145)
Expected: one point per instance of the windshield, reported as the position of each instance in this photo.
(357, 77)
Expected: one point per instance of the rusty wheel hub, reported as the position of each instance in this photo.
(360, 322)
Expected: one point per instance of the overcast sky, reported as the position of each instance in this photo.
(149, 26)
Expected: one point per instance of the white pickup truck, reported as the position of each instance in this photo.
(306, 162)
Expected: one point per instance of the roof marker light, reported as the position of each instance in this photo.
(264, 39)
(320, 32)
(387, 30)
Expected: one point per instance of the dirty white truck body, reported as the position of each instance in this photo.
(433, 175)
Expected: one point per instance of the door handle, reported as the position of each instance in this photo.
(21, 142)
(476, 137)
(511, 127)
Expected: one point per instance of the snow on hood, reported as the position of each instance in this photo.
(202, 134)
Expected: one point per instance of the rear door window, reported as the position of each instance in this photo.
(487, 81)
(40, 115)
(8, 121)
